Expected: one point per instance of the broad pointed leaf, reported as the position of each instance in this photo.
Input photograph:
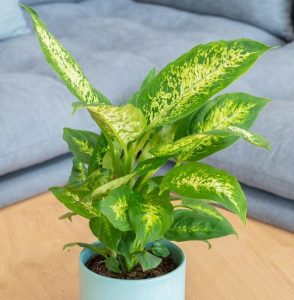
(248, 136)
(80, 143)
(64, 64)
(103, 189)
(148, 261)
(234, 109)
(201, 181)
(78, 202)
(150, 217)
(125, 123)
(192, 225)
(95, 248)
(115, 207)
(185, 84)
(105, 232)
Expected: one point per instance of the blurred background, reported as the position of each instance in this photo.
(117, 42)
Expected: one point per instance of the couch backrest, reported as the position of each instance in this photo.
(274, 16)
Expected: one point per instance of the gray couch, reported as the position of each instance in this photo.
(117, 42)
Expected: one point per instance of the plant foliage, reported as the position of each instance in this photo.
(174, 115)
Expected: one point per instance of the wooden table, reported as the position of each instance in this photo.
(258, 265)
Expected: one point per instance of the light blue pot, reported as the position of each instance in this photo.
(170, 286)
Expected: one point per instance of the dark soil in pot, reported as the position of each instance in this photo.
(97, 265)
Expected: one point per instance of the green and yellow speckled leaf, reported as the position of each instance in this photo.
(150, 164)
(115, 207)
(196, 225)
(201, 181)
(125, 123)
(233, 109)
(103, 189)
(64, 64)
(98, 153)
(150, 217)
(80, 143)
(105, 232)
(78, 172)
(183, 147)
(247, 135)
(77, 201)
(185, 84)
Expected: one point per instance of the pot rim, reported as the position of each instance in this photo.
(135, 281)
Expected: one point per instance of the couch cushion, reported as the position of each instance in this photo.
(12, 22)
(274, 16)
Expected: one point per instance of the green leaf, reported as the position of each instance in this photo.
(194, 225)
(68, 216)
(105, 232)
(150, 164)
(64, 64)
(103, 189)
(98, 153)
(150, 217)
(115, 207)
(185, 84)
(159, 249)
(96, 249)
(125, 123)
(184, 147)
(80, 143)
(148, 261)
(112, 264)
(247, 135)
(201, 181)
(234, 109)
(77, 201)
(78, 172)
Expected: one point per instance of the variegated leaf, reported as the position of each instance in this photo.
(103, 189)
(64, 64)
(150, 164)
(115, 207)
(234, 109)
(125, 123)
(201, 181)
(248, 136)
(185, 84)
(78, 172)
(184, 147)
(194, 225)
(80, 143)
(98, 153)
(105, 232)
(150, 217)
(78, 202)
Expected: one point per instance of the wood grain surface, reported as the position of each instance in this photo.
(258, 265)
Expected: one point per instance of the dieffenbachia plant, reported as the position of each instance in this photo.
(173, 116)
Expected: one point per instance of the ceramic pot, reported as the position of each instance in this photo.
(170, 286)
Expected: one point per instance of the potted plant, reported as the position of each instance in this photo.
(132, 211)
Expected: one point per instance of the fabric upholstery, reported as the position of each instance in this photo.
(274, 16)
(12, 22)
